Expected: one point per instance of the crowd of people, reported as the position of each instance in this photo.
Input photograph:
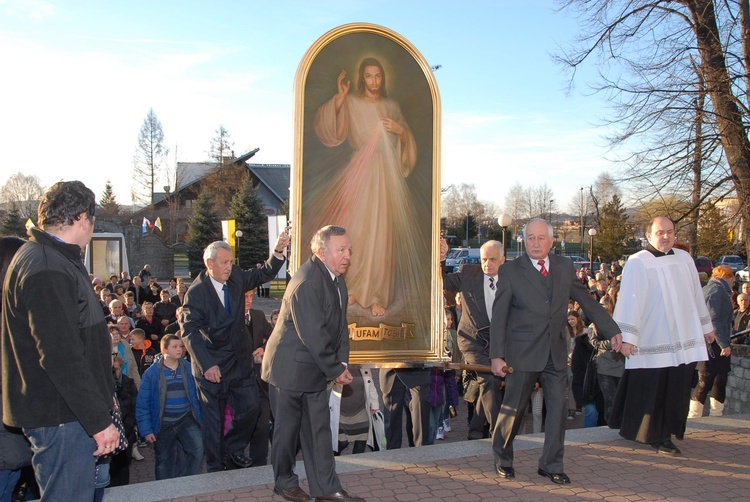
(204, 379)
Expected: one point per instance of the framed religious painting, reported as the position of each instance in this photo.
(367, 158)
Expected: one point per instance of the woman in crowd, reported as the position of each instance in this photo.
(582, 352)
(575, 329)
(609, 365)
(712, 374)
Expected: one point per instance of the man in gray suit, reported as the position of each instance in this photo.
(528, 333)
(309, 348)
(478, 285)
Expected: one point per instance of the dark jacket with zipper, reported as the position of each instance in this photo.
(56, 349)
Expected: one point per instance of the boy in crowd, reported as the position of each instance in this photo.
(169, 415)
(143, 351)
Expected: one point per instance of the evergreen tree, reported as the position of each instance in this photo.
(108, 203)
(204, 227)
(713, 232)
(613, 230)
(13, 224)
(247, 210)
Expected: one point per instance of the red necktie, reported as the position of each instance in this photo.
(542, 268)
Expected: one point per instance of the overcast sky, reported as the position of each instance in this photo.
(80, 76)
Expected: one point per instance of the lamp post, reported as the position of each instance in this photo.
(592, 233)
(238, 234)
(504, 220)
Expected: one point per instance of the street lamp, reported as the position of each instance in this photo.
(238, 234)
(592, 233)
(504, 220)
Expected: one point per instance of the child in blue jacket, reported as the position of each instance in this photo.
(168, 413)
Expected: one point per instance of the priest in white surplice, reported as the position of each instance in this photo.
(665, 326)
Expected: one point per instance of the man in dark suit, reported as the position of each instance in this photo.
(139, 292)
(260, 329)
(528, 332)
(213, 329)
(394, 383)
(309, 348)
(478, 285)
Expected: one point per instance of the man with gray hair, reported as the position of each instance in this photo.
(220, 347)
(308, 349)
(477, 285)
(528, 333)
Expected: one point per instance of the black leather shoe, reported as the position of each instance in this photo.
(293, 494)
(559, 478)
(341, 496)
(236, 461)
(505, 472)
(667, 447)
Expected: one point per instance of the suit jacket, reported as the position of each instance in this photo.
(310, 341)
(139, 292)
(474, 325)
(214, 337)
(259, 328)
(529, 319)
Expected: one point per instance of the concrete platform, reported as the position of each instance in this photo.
(715, 466)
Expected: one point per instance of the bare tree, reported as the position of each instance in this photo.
(677, 74)
(150, 159)
(23, 192)
(220, 150)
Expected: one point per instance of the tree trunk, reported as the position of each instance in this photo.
(728, 117)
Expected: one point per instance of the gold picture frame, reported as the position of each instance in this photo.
(367, 157)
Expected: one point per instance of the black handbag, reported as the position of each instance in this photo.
(591, 380)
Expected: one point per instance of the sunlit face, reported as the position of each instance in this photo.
(115, 334)
(448, 318)
(336, 254)
(573, 321)
(104, 294)
(148, 310)
(164, 295)
(743, 301)
(373, 78)
(136, 281)
(746, 288)
(662, 235)
(173, 350)
(123, 325)
(129, 300)
(491, 260)
(538, 240)
(220, 268)
(115, 308)
(181, 288)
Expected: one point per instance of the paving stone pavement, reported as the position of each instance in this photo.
(714, 466)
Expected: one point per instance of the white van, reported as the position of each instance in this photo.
(461, 256)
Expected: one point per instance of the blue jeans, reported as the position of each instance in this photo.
(8, 480)
(64, 464)
(179, 448)
(590, 415)
(435, 421)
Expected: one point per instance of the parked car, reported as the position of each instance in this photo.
(578, 261)
(703, 264)
(470, 260)
(742, 276)
(734, 261)
(459, 256)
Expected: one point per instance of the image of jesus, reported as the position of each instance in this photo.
(369, 196)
